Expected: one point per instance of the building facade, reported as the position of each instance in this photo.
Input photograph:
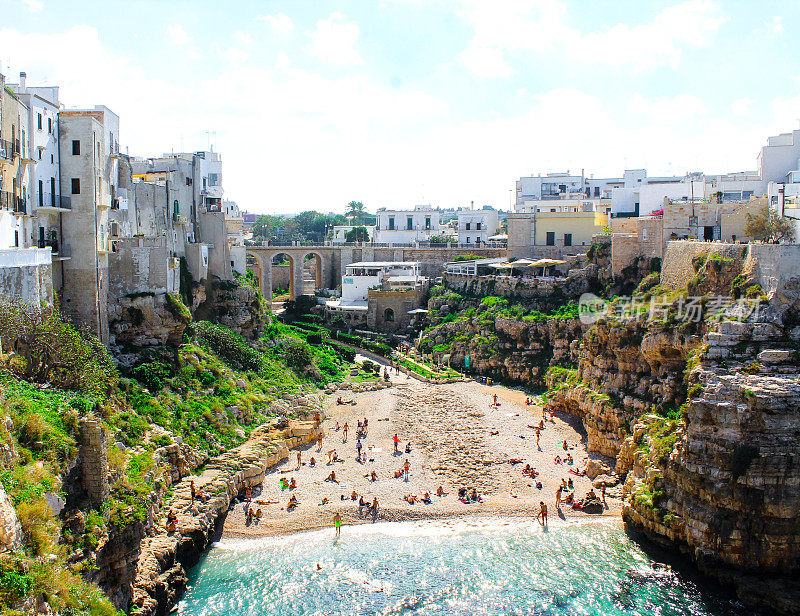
(406, 226)
(476, 226)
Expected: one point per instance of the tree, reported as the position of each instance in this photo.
(355, 212)
(766, 225)
(358, 234)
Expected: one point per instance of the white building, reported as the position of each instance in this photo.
(340, 232)
(362, 276)
(406, 226)
(476, 226)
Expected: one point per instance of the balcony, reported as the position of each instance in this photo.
(114, 150)
(20, 207)
(6, 149)
(60, 251)
(48, 202)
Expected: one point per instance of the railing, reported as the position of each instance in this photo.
(47, 199)
(20, 206)
(54, 245)
(16, 147)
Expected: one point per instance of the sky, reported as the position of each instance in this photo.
(396, 103)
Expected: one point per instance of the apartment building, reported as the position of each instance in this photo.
(477, 226)
(234, 224)
(406, 226)
(89, 170)
(45, 201)
(25, 269)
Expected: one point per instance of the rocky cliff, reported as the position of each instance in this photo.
(700, 419)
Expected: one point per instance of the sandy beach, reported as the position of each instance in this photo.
(458, 439)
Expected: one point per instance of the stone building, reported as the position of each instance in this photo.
(89, 149)
(45, 202)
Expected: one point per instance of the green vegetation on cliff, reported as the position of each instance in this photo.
(209, 393)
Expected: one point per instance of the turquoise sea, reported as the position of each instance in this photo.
(469, 567)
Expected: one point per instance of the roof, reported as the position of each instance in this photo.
(382, 263)
(478, 261)
(355, 304)
(405, 278)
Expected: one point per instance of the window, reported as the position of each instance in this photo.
(16, 239)
(427, 222)
(188, 181)
(204, 183)
(644, 235)
(551, 238)
(391, 223)
(39, 121)
(50, 126)
(53, 192)
(40, 155)
(409, 223)
(76, 186)
(388, 315)
(568, 239)
(41, 193)
(213, 179)
(477, 226)
(51, 159)
(76, 147)
(467, 226)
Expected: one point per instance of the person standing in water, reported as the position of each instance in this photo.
(542, 513)
(337, 522)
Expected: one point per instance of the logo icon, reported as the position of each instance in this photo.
(591, 308)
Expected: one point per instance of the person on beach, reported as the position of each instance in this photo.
(330, 457)
(362, 504)
(538, 434)
(374, 509)
(317, 419)
(558, 498)
(358, 446)
(495, 400)
(396, 443)
(292, 484)
(603, 493)
(440, 492)
(337, 522)
(299, 460)
(192, 490)
(406, 469)
(542, 513)
(319, 442)
(565, 445)
(344, 433)
(408, 447)
(313, 462)
(337, 424)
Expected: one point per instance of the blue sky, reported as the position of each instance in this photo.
(314, 103)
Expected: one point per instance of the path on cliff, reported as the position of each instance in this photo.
(458, 440)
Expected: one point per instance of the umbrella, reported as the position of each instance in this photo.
(546, 262)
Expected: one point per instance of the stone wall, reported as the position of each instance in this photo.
(677, 269)
(633, 238)
(94, 462)
(399, 302)
(139, 265)
(27, 274)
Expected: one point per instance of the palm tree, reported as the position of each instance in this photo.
(356, 211)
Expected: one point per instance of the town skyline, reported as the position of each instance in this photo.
(403, 103)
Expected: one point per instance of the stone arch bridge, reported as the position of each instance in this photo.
(331, 261)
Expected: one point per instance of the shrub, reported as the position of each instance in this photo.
(52, 350)
(297, 354)
(152, 374)
(232, 348)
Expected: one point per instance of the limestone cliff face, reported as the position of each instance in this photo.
(144, 321)
(234, 305)
(719, 481)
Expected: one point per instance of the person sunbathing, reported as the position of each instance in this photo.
(332, 477)
(515, 461)
(292, 503)
(410, 499)
(440, 492)
(292, 484)
(373, 476)
(427, 498)
(283, 483)
(312, 463)
(570, 461)
(494, 432)
(353, 495)
(557, 460)
(398, 473)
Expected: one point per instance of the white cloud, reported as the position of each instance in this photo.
(181, 39)
(486, 62)
(777, 25)
(741, 106)
(281, 24)
(677, 110)
(543, 26)
(34, 5)
(334, 41)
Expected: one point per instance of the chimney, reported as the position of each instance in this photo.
(22, 77)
